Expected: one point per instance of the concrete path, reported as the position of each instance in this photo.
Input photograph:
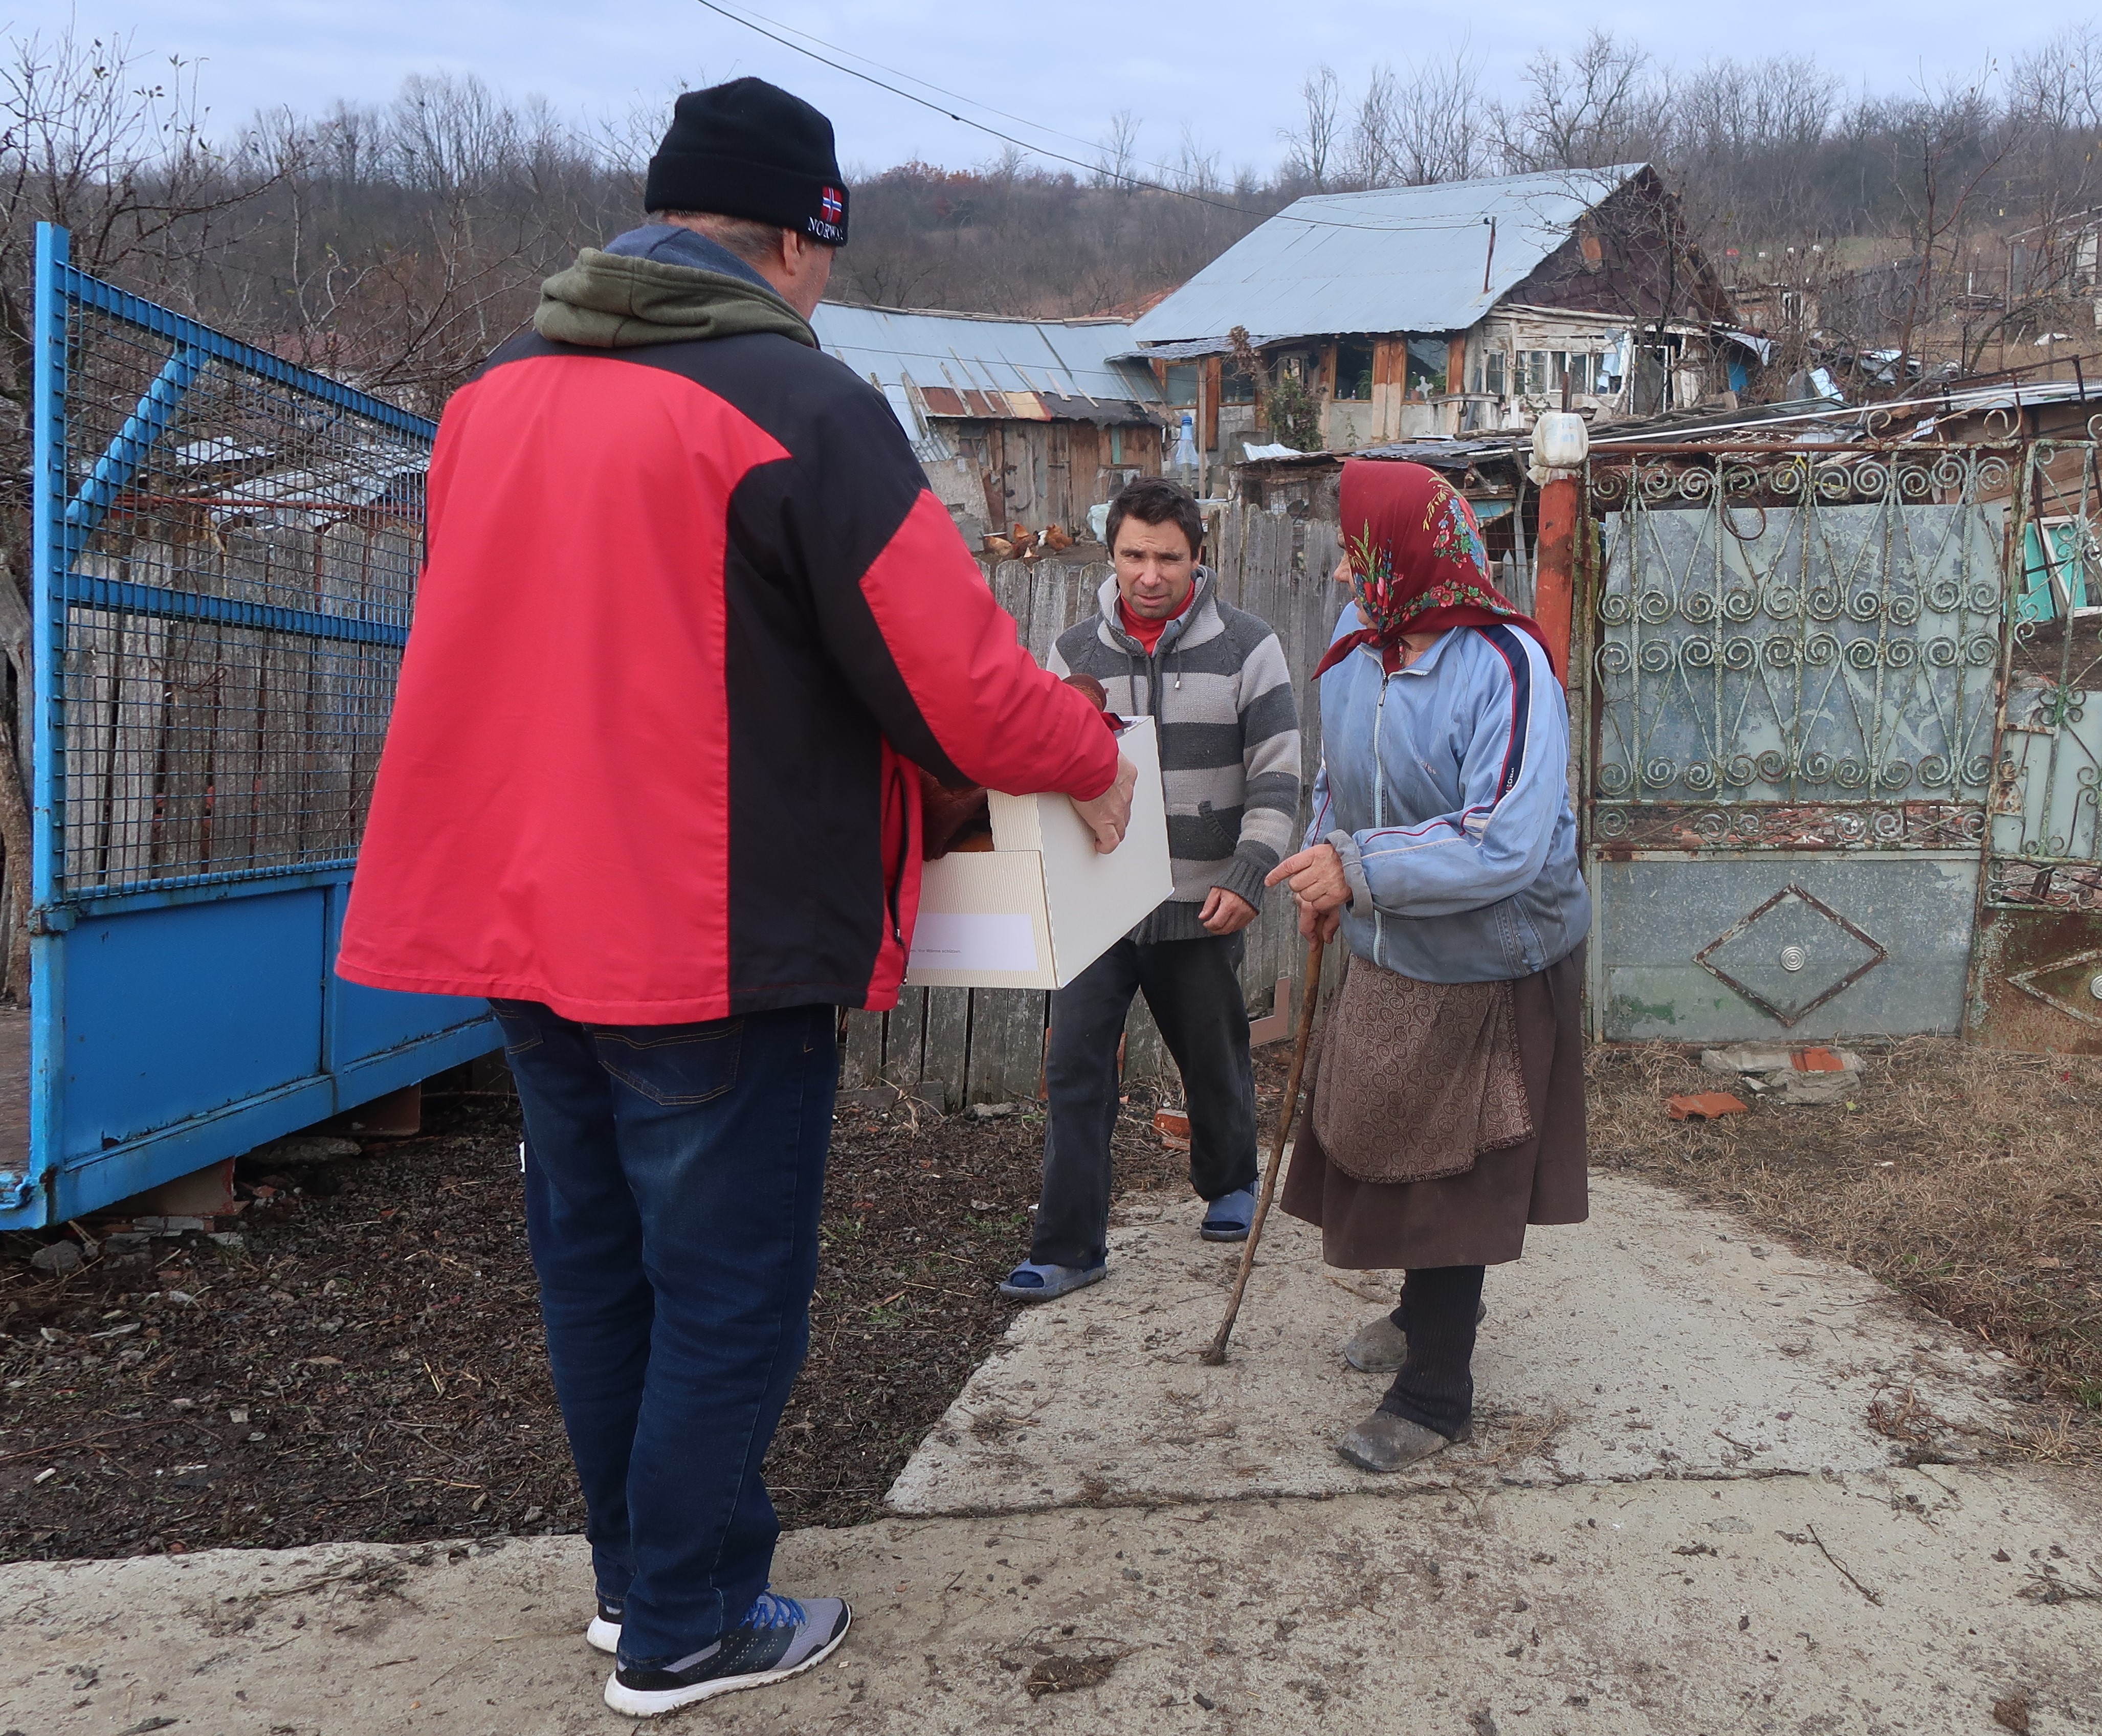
(1102, 1537)
(1659, 1339)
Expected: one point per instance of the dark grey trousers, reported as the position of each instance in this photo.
(1194, 990)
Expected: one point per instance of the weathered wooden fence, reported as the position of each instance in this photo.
(958, 1046)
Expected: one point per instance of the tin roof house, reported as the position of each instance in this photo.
(1442, 311)
(1014, 421)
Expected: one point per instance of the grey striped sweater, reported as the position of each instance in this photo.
(1219, 687)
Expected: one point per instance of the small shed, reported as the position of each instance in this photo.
(1446, 310)
(1014, 421)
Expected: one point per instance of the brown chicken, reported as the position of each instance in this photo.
(1000, 548)
(962, 819)
(1023, 541)
(1055, 538)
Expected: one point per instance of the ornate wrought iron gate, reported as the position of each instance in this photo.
(2039, 977)
(226, 552)
(1796, 661)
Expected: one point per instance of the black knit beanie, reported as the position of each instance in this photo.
(747, 148)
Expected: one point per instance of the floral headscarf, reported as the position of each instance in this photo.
(1417, 564)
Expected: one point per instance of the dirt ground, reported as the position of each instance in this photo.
(367, 1364)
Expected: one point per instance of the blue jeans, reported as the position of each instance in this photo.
(674, 1178)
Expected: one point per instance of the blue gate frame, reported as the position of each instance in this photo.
(226, 549)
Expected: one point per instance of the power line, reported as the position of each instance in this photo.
(1037, 150)
(939, 90)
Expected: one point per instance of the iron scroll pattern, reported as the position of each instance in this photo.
(2046, 798)
(1803, 647)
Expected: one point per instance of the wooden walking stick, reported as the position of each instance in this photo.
(1216, 1353)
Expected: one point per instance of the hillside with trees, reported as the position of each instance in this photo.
(397, 242)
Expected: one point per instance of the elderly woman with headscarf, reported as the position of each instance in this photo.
(1446, 1107)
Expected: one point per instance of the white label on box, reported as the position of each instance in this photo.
(946, 940)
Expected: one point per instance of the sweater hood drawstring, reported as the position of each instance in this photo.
(1107, 603)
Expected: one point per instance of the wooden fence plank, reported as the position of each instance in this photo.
(1146, 1057)
(1007, 1044)
(190, 673)
(1052, 608)
(89, 675)
(276, 801)
(237, 763)
(944, 1053)
(1011, 589)
(861, 1059)
(139, 736)
(904, 1037)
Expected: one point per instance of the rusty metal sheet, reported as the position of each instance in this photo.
(2040, 981)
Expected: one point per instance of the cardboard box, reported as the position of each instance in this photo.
(1042, 905)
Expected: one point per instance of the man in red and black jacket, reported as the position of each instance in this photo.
(690, 620)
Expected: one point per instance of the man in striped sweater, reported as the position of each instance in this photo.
(1214, 677)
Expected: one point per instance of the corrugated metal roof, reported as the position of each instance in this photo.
(933, 366)
(1405, 258)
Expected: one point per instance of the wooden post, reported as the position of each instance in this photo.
(1555, 571)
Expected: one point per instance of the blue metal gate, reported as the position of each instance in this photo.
(1796, 660)
(226, 550)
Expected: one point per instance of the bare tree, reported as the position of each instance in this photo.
(1438, 122)
(1311, 147)
(1943, 148)
(1116, 163)
(95, 138)
(1748, 137)
(1606, 103)
(1196, 169)
(1368, 155)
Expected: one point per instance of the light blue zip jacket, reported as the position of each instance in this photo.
(1445, 788)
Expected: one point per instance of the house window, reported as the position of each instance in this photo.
(1493, 380)
(1236, 385)
(1182, 383)
(1427, 359)
(1116, 443)
(1353, 370)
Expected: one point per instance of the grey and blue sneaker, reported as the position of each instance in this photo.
(779, 1637)
(604, 1633)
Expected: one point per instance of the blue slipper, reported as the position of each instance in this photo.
(1031, 1282)
(1227, 1218)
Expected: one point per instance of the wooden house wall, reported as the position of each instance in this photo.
(1042, 473)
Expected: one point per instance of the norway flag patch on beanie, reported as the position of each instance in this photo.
(830, 223)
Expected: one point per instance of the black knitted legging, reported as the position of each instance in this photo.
(1436, 1384)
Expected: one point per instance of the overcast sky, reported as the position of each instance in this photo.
(1224, 68)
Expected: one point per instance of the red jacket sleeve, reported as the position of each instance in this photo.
(999, 720)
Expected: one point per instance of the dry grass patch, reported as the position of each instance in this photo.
(1970, 1179)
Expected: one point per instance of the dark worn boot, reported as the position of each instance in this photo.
(1385, 1442)
(1380, 1347)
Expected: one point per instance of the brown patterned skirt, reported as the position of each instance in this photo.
(1478, 1217)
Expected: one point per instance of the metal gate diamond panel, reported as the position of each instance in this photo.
(1795, 664)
